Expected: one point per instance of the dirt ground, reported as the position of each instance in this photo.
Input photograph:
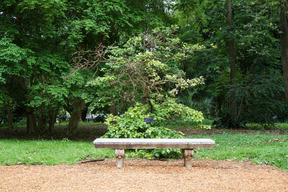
(140, 174)
(144, 175)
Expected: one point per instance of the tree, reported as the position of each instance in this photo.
(145, 67)
(31, 52)
(232, 60)
(39, 38)
(256, 50)
(284, 44)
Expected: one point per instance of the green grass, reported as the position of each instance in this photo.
(261, 149)
(276, 125)
(48, 152)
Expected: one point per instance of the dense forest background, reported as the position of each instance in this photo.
(227, 59)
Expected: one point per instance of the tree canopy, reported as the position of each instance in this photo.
(225, 58)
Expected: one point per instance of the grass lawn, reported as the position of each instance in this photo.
(259, 148)
(48, 152)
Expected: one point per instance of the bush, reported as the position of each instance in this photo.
(132, 125)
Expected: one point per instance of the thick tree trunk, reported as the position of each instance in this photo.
(232, 60)
(41, 123)
(284, 45)
(10, 117)
(76, 115)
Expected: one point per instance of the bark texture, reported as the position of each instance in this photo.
(76, 115)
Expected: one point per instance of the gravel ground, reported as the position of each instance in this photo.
(144, 175)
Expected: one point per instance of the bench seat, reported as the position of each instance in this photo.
(120, 144)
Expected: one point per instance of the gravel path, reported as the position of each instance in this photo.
(144, 175)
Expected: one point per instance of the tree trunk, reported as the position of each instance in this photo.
(52, 118)
(232, 60)
(41, 123)
(113, 107)
(76, 115)
(284, 45)
(10, 117)
(31, 120)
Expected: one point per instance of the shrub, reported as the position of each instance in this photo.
(132, 125)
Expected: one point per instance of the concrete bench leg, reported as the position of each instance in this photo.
(188, 154)
(120, 156)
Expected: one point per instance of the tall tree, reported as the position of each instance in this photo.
(232, 61)
(256, 52)
(284, 44)
(39, 37)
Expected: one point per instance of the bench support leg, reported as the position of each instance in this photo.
(188, 154)
(120, 155)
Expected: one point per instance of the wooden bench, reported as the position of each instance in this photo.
(187, 146)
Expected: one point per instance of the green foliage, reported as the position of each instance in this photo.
(170, 123)
(204, 105)
(259, 99)
(12, 58)
(256, 38)
(132, 124)
(38, 38)
(147, 66)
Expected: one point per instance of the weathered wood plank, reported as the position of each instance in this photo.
(153, 143)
